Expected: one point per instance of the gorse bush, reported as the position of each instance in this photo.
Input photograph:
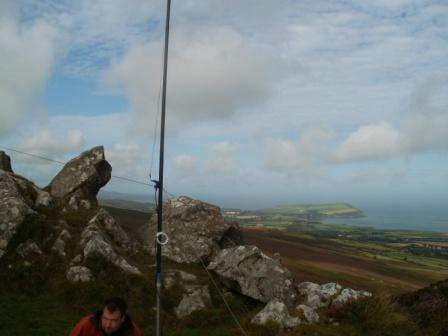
(377, 316)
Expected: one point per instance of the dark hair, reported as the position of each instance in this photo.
(115, 303)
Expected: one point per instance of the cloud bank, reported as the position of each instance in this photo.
(213, 74)
(27, 57)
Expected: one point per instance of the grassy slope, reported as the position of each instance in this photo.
(33, 304)
(367, 266)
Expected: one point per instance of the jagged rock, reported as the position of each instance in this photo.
(195, 230)
(247, 270)
(308, 313)
(28, 249)
(35, 197)
(196, 299)
(59, 244)
(79, 274)
(106, 222)
(349, 294)
(276, 311)
(78, 183)
(5, 162)
(14, 210)
(95, 242)
(317, 296)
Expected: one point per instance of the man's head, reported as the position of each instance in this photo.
(113, 315)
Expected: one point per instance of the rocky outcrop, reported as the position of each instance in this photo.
(96, 242)
(348, 295)
(14, 210)
(103, 221)
(79, 274)
(312, 298)
(78, 183)
(36, 198)
(318, 296)
(195, 230)
(246, 270)
(277, 312)
(59, 244)
(196, 298)
(37, 220)
(5, 162)
(308, 313)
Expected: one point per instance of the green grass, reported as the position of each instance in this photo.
(41, 315)
(330, 209)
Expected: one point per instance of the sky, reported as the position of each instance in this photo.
(268, 101)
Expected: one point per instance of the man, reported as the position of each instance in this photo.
(112, 320)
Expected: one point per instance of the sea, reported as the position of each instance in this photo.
(417, 217)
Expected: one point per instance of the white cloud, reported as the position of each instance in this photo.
(47, 144)
(27, 56)
(129, 160)
(213, 74)
(428, 124)
(369, 142)
(291, 157)
(184, 166)
(424, 128)
(44, 147)
(379, 175)
(221, 158)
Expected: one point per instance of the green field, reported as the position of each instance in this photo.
(318, 210)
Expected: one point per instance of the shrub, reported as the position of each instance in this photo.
(377, 316)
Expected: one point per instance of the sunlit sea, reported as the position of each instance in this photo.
(421, 218)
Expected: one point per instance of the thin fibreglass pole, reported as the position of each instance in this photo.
(160, 198)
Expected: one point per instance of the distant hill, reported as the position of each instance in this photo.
(127, 204)
(315, 211)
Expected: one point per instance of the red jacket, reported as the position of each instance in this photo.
(91, 326)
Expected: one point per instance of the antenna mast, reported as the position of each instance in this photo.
(159, 185)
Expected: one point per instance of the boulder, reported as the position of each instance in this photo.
(330, 294)
(195, 230)
(79, 274)
(245, 269)
(14, 210)
(35, 197)
(95, 242)
(5, 162)
(277, 312)
(317, 296)
(308, 313)
(348, 295)
(78, 183)
(60, 243)
(196, 299)
(104, 221)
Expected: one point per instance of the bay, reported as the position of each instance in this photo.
(419, 218)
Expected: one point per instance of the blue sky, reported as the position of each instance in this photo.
(269, 101)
